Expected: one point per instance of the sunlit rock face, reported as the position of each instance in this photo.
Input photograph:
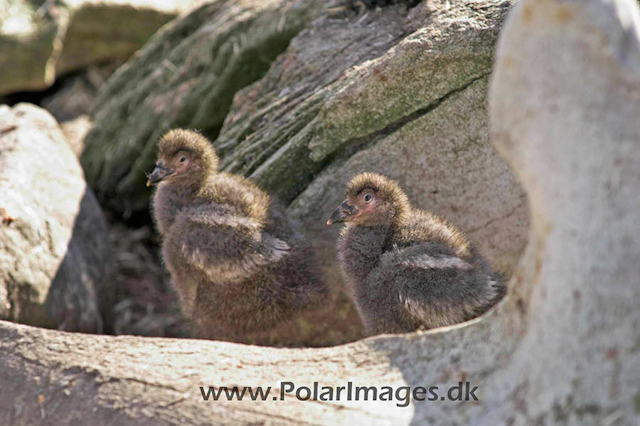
(55, 258)
(41, 40)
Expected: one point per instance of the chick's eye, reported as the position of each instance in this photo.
(183, 159)
(367, 198)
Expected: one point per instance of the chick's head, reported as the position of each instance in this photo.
(185, 157)
(371, 200)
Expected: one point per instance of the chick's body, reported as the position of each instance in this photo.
(238, 264)
(408, 269)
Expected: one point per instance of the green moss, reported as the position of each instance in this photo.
(353, 119)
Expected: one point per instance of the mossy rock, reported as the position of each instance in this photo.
(186, 76)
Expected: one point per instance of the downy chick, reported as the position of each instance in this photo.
(238, 264)
(408, 269)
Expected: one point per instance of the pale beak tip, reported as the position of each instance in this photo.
(148, 183)
(329, 222)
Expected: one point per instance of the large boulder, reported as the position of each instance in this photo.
(28, 39)
(55, 257)
(40, 40)
(185, 76)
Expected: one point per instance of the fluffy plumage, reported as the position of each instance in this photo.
(238, 264)
(408, 269)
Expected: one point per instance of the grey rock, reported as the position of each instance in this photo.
(55, 257)
(446, 163)
(402, 93)
(27, 42)
(75, 131)
(77, 93)
(564, 107)
(92, 38)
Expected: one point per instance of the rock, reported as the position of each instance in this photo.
(75, 98)
(41, 40)
(92, 38)
(458, 175)
(72, 102)
(185, 76)
(55, 257)
(75, 132)
(564, 107)
(29, 39)
(346, 96)
(146, 303)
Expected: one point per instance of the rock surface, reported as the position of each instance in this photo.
(40, 40)
(75, 131)
(28, 40)
(55, 257)
(564, 110)
(561, 348)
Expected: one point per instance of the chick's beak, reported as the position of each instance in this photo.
(158, 174)
(344, 213)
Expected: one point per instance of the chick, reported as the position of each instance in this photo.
(238, 264)
(408, 269)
